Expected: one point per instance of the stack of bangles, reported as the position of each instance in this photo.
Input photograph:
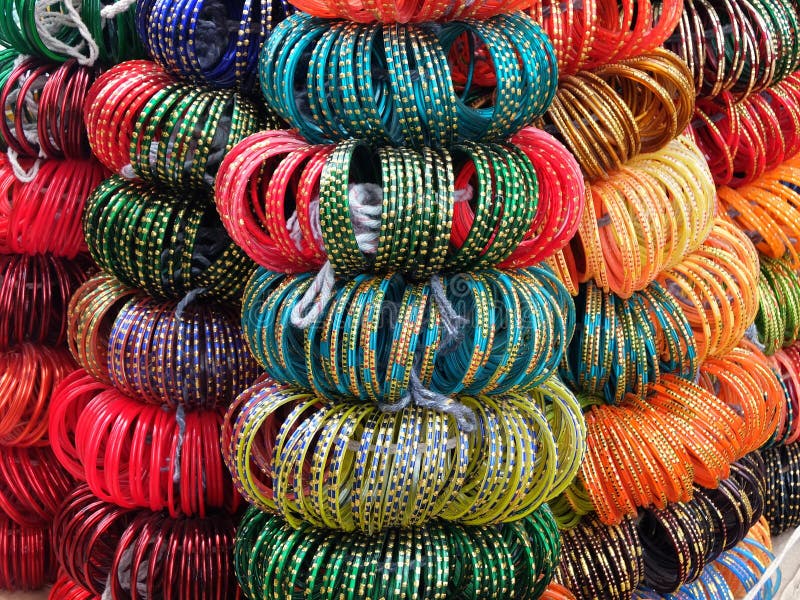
(608, 116)
(782, 508)
(30, 374)
(648, 453)
(377, 332)
(744, 139)
(26, 559)
(166, 243)
(43, 216)
(404, 11)
(778, 318)
(345, 465)
(717, 288)
(174, 462)
(439, 560)
(601, 561)
(681, 540)
(644, 218)
(450, 98)
(737, 46)
(156, 351)
(115, 39)
(42, 106)
(195, 40)
(624, 345)
(732, 575)
(768, 210)
(591, 33)
(141, 122)
(66, 589)
(141, 554)
(34, 292)
(395, 209)
(786, 364)
(32, 485)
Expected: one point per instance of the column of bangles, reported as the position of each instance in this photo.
(470, 206)
(196, 359)
(644, 218)
(42, 107)
(139, 118)
(289, 450)
(403, 11)
(27, 561)
(624, 345)
(194, 39)
(43, 216)
(114, 38)
(783, 487)
(66, 589)
(138, 554)
(591, 33)
(166, 243)
(439, 106)
(778, 317)
(610, 115)
(435, 561)
(174, 461)
(377, 331)
(744, 139)
(736, 46)
(786, 363)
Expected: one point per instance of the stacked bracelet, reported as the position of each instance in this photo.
(403, 11)
(377, 98)
(27, 560)
(778, 317)
(782, 508)
(66, 589)
(166, 243)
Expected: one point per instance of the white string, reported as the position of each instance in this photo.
(53, 20)
(21, 174)
(773, 568)
(112, 10)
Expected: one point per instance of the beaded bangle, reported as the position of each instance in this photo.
(426, 468)
(405, 84)
(600, 561)
(66, 589)
(782, 506)
(173, 462)
(624, 345)
(608, 116)
(27, 557)
(43, 216)
(22, 28)
(195, 39)
(716, 286)
(43, 109)
(399, 326)
(31, 372)
(33, 485)
(103, 546)
(34, 291)
(131, 225)
(273, 559)
(479, 207)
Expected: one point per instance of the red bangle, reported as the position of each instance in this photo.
(139, 455)
(66, 589)
(32, 485)
(34, 291)
(26, 558)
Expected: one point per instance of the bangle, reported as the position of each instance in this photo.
(170, 463)
(31, 373)
(28, 558)
(34, 291)
(479, 204)
(601, 561)
(440, 107)
(777, 320)
(194, 40)
(272, 559)
(49, 100)
(479, 360)
(66, 589)
(43, 216)
(785, 364)
(131, 225)
(782, 501)
(114, 39)
(402, 11)
(426, 468)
